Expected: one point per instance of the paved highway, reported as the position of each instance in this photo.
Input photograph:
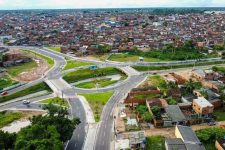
(77, 140)
(105, 134)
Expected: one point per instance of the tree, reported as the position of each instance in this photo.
(210, 134)
(156, 111)
(104, 48)
(147, 117)
(190, 85)
(141, 109)
(171, 101)
(57, 117)
(7, 140)
(38, 137)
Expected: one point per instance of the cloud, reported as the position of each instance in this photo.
(19, 4)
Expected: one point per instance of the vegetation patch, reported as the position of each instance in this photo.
(144, 112)
(56, 49)
(31, 90)
(97, 83)
(155, 143)
(146, 96)
(74, 64)
(57, 101)
(218, 69)
(158, 81)
(208, 136)
(16, 70)
(152, 68)
(49, 60)
(124, 57)
(6, 81)
(97, 102)
(46, 132)
(220, 114)
(101, 57)
(8, 117)
(84, 74)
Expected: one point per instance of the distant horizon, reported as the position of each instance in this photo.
(111, 8)
(105, 4)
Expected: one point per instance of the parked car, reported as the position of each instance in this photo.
(4, 93)
(26, 102)
(212, 123)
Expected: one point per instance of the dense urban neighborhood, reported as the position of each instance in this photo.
(112, 79)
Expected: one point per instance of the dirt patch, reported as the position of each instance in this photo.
(165, 132)
(35, 73)
(30, 114)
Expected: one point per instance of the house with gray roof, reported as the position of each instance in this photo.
(173, 116)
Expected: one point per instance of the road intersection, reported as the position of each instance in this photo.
(104, 134)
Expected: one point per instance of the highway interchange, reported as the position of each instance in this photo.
(105, 133)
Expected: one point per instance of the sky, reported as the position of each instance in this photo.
(63, 4)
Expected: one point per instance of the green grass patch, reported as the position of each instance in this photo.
(158, 81)
(74, 64)
(56, 100)
(152, 68)
(56, 49)
(83, 74)
(146, 96)
(8, 117)
(16, 70)
(101, 57)
(124, 57)
(220, 115)
(31, 90)
(49, 60)
(97, 102)
(155, 143)
(101, 83)
(218, 69)
(6, 81)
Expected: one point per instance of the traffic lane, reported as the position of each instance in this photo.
(106, 134)
(18, 103)
(78, 137)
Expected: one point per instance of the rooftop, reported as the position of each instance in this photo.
(201, 101)
(175, 113)
(175, 143)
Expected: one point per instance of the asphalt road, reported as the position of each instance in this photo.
(77, 140)
(20, 105)
(105, 133)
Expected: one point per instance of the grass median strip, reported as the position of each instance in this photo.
(74, 64)
(56, 100)
(8, 117)
(31, 90)
(152, 68)
(49, 60)
(84, 74)
(6, 81)
(97, 83)
(56, 49)
(123, 57)
(97, 102)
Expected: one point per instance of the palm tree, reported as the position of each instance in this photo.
(190, 85)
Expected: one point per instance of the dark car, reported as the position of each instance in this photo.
(4, 93)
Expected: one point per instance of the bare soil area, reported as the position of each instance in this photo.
(35, 73)
(165, 132)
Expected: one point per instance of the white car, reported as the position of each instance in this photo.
(26, 102)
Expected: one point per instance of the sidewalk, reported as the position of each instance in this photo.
(92, 127)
